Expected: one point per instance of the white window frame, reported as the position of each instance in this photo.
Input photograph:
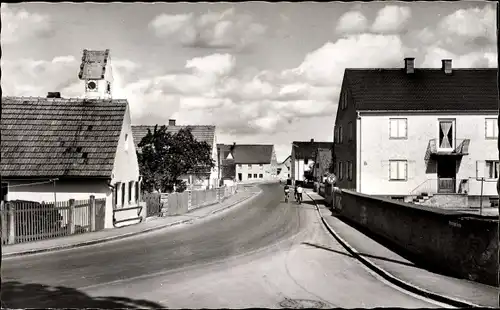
(399, 163)
(395, 123)
(494, 123)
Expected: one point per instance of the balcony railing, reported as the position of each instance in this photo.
(461, 148)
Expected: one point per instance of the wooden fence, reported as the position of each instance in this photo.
(27, 221)
(180, 203)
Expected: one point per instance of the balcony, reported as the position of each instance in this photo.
(461, 148)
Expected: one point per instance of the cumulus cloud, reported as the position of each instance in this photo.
(224, 29)
(18, 25)
(352, 22)
(391, 19)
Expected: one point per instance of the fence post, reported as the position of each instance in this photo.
(92, 213)
(12, 224)
(71, 222)
(190, 200)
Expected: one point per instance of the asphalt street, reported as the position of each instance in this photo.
(264, 253)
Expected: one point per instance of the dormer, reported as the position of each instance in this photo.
(97, 75)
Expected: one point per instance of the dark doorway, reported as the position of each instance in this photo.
(4, 191)
(447, 174)
(240, 177)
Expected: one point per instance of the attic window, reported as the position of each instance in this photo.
(79, 149)
(108, 88)
(89, 127)
(85, 155)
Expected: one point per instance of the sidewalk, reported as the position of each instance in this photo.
(149, 225)
(405, 273)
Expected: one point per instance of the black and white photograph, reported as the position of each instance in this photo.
(233, 155)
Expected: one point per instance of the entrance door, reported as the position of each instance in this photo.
(240, 177)
(447, 174)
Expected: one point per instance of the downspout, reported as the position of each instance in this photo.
(498, 142)
(358, 171)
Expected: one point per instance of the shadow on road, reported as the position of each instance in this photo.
(16, 295)
(361, 254)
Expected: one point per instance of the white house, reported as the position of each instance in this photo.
(284, 169)
(57, 149)
(413, 131)
(201, 133)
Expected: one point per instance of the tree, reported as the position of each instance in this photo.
(164, 157)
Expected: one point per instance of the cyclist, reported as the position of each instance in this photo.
(287, 192)
(299, 191)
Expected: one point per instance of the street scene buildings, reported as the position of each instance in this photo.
(218, 155)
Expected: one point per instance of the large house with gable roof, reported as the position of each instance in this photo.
(57, 148)
(425, 132)
(201, 133)
(303, 158)
(252, 162)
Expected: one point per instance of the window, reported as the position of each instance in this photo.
(123, 194)
(341, 135)
(250, 166)
(343, 102)
(130, 187)
(492, 169)
(255, 175)
(306, 161)
(351, 131)
(398, 170)
(108, 87)
(335, 130)
(261, 176)
(4, 191)
(398, 128)
(249, 175)
(126, 142)
(349, 170)
(491, 128)
(278, 170)
(340, 171)
(116, 189)
(137, 191)
(289, 175)
(261, 166)
(240, 165)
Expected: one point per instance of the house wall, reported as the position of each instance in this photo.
(344, 150)
(215, 173)
(125, 170)
(266, 170)
(285, 172)
(377, 149)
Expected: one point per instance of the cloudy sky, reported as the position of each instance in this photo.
(261, 72)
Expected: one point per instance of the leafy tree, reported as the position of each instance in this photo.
(164, 157)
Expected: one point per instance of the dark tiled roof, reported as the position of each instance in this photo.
(308, 149)
(93, 64)
(252, 153)
(200, 133)
(48, 137)
(426, 89)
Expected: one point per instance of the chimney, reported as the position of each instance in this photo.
(171, 122)
(446, 66)
(410, 65)
(54, 94)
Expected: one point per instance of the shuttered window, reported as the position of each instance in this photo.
(491, 128)
(398, 170)
(398, 128)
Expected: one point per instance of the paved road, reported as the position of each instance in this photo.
(262, 254)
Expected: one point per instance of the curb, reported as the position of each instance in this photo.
(127, 235)
(392, 279)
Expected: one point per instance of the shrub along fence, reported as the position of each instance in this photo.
(27, 221)
(180, 203)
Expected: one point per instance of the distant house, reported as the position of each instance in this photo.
(303, 156)
(253, 162)
(210, 179)
(227, 165)
(283, 170)
(322, 162)
(410, 131)
(60, 149)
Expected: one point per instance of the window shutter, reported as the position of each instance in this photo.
(403, 170)
(393, 170)
(489, 129)
(393, 128)
(402, 128)
(480, 169)
(411, 169)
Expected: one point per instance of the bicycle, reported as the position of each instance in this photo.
(286, 196)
